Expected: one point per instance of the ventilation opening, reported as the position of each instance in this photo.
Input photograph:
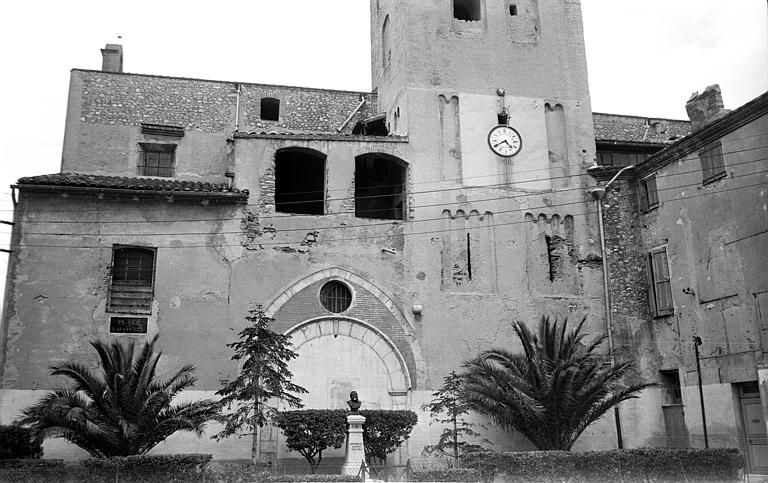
(467, 10)
(513, 10)
(300, 182)
(379, 188)
(270, 109)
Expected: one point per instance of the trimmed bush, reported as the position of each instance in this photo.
(385, 430)
(448, 474)
(312, 431)
(16, 443)
(172, 467)
(643, 464)
(310, 478)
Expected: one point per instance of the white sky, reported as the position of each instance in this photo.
(645, 58)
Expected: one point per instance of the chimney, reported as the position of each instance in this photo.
(705, 107)
(112, 58)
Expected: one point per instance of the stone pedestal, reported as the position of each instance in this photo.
(355, 450)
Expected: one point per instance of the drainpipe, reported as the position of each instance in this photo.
(344, 124)
(237, 107)
(598, 193)
(696, 344)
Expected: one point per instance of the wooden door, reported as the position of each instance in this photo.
(753, 423)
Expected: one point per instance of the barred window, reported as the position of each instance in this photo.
(335, 297)
(157, 160)
(132, 287)
(661, 286)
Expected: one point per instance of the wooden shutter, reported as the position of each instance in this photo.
(662, 287)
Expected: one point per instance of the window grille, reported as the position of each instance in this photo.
(661, 285)
(335, 297)
(712, 164)
(131, 290)
(157, 160)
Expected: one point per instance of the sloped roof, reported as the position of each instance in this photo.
(148, 185)
(618, 128)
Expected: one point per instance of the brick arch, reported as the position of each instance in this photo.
(404, 321)
(377, 341)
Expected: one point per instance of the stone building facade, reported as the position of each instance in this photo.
(379, 229)
(685, 230)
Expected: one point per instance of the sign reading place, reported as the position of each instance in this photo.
(128, 325)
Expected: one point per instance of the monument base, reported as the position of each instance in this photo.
(355, 448)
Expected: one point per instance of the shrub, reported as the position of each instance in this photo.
(384, 431)
(448, 474)
(312, 431)
(310, 478)
(176, 467)
(643, 464)
(16, 443)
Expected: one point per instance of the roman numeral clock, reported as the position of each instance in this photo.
(505, 141)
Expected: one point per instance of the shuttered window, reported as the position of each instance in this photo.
(649, 196)
(157, 160)
(661, 286)
(132, 288)
(712, 163)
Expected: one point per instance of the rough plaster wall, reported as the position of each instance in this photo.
(450, 129)
(525, 26)
(446, 52)
(469, 253)
(557, 141)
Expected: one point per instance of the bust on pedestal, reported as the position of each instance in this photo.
(355, 449)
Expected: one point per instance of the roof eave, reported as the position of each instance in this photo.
(170, 195)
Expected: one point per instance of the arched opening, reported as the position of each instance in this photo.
(300, 181)
(380, 187)
(386, 50)
(467, 10)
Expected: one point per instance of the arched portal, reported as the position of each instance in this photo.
(340, 354)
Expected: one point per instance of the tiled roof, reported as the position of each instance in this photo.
(323, 136)
(126, 183)
(634, 129)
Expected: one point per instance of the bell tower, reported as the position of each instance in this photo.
(470, 63)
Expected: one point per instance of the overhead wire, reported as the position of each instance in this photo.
(388, 223)
(506, 185)
(401, 225)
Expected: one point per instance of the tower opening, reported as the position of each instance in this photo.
(270, 109)
(379, 187)
(300, 182)
(467, 10)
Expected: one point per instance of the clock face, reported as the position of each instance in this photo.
(505, 141)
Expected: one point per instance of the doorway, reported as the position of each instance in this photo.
(753, 426)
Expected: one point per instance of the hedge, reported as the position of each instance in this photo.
(16, 443)
(155, 468)
(643, 464)
(448, 474)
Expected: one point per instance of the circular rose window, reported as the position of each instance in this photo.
(335, 297)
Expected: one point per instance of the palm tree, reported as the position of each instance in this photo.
(554, 389)
(121, 410)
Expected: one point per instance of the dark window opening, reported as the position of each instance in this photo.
(671, 392)
(300, 182)
(712, 163)
(649, 195)
(469, 257)
(379, 188)
(270, 109)
(555, 247)
(513, 10)
(661, 284)
(157, 160)
(335, 297)
(131, 288)
(467, 10)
